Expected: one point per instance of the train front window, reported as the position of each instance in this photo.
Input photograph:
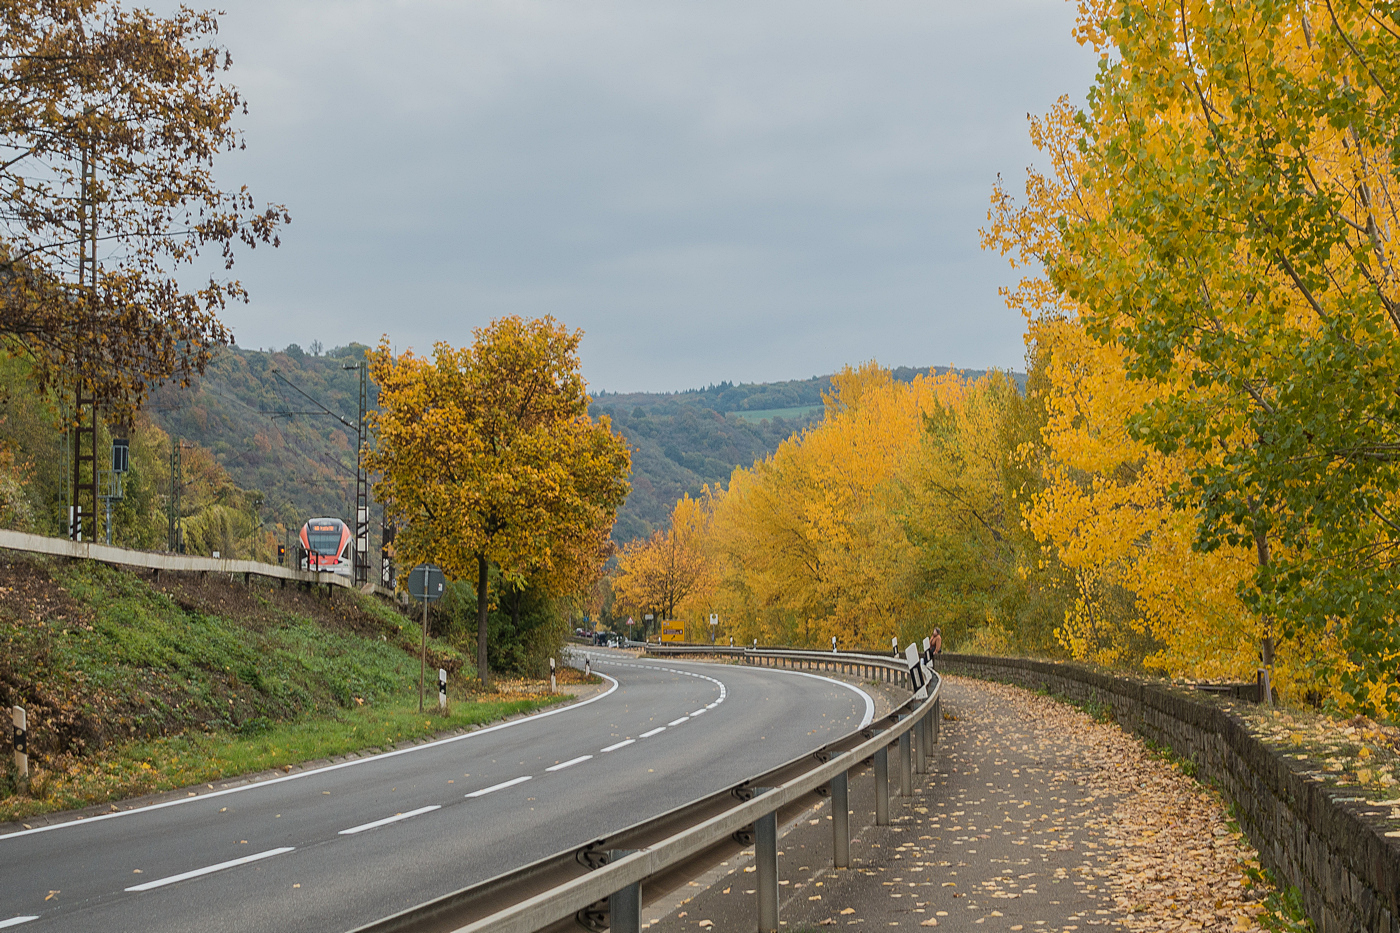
(324, 539)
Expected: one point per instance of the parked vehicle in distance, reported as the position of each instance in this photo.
(326, 542)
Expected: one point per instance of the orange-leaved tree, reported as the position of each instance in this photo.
(660, 573)
(487, 455)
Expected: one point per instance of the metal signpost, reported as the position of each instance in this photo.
(714, 626)
(427, 583)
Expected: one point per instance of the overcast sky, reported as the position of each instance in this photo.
(750, 191)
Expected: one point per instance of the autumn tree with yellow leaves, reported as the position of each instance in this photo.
(659, 574)
(487, 458)
(1220, 301)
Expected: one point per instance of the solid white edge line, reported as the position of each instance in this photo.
(869, 703)
(613, 748)
(677, 722)
(501, 786)
(647, 735)
(388, 819)
(16, 921)
(209, 870)
(698, 712)
(322, 770)
(566, 764)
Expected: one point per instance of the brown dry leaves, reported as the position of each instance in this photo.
(1172, 862)
(1355, 751)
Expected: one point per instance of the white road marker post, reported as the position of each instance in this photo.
(442, 690)
(21, 740)
(833, 644)
(587, 666)
(894, 646)
(552, 686)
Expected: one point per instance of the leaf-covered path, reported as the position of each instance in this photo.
(1034, 817)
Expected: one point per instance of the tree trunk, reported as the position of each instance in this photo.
(482, 672)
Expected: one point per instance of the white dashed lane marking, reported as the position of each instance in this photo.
(16, 921)
(565, 764)
(387, 820)
(723, 692)
(209, 870)
(501, 786)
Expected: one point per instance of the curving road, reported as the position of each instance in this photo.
(330, 849)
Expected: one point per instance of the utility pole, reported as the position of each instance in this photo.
(82, 509)
(361, 482)
(175, 541)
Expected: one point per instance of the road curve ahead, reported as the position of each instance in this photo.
(331, 849)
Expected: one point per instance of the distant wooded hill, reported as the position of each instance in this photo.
(273, 439)
(270, 437)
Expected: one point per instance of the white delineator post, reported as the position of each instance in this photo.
(552, 686)
(21, 739)
(442, 689)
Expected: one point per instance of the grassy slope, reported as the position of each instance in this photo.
(134, 686)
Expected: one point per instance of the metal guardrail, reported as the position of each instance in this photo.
(152, 560)
(604, 884)
(882, 667)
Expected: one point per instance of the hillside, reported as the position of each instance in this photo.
(134, 684)
(271, 438)
(267, 435)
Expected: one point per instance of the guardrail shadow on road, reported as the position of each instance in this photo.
(605, 884)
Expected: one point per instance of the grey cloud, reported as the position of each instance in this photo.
(721, 190)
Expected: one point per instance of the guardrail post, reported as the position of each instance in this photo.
(882, 787)
(841, 820)
(917, 733)
(625, 906)
(906, 776)
(931, 729)
(765, 856)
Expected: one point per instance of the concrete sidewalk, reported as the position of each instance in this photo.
(1019, 826)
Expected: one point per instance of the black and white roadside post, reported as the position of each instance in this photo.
(587, 666)
(894, 646)
(442, 690)
(833, 644)
(918, 682)
(21, 740)
(425, 582)
(553, 685)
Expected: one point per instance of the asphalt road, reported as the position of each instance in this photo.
(331, 849)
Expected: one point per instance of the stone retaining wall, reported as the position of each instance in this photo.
(1314, 836)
